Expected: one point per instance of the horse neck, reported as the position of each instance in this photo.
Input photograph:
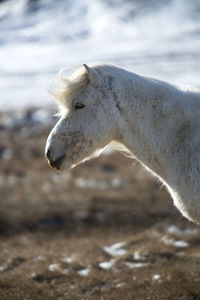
(150, 111)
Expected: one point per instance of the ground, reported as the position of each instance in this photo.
(105, 230)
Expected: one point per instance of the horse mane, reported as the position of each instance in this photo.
(190, 88)
(68, 88)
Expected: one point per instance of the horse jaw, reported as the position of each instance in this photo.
(70, 164)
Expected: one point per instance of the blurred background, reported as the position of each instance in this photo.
(106, 229)
(39, 37)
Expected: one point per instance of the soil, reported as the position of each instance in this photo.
(105, 230)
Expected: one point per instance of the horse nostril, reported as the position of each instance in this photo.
(57, 163)
(48, 154)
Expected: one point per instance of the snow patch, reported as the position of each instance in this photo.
(116, 249)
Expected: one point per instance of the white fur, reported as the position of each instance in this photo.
(157, 122)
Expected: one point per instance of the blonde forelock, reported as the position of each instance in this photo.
(68, 88)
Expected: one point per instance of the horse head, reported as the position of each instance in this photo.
(86, 123)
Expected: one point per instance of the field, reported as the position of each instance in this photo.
(105, 230)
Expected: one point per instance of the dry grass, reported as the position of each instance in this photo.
(54, 227)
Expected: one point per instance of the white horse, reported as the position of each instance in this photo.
(157, 122)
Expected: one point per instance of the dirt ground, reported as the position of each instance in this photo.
(105, 230)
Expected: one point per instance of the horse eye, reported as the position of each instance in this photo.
(79, 105)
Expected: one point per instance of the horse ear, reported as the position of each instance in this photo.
(93, 75)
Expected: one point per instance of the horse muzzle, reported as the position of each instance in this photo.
(55, 163)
